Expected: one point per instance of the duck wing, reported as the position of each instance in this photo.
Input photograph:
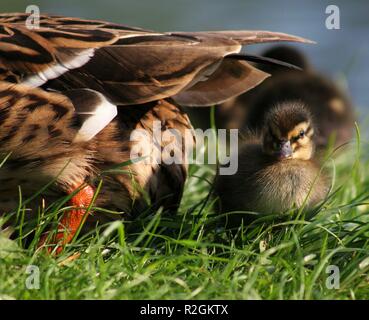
(128, 65)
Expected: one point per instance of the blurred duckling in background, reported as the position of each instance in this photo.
(329, 105)
(276, 171)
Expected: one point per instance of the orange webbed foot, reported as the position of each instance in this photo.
(70, 221)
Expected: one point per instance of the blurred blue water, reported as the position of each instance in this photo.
(337, 52)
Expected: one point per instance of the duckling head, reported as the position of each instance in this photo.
(288, 132)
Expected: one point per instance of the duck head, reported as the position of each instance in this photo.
(288, 132)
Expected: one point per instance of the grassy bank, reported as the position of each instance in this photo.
(189, 257)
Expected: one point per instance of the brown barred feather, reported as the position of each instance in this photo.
(37, 128)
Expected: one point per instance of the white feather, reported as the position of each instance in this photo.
(57, 69)
(103, 114)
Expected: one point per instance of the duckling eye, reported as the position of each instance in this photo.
(301, 134)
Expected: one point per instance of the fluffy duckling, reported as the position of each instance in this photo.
(329, 104)
(276, 171)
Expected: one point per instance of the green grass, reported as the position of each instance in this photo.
(188, 257)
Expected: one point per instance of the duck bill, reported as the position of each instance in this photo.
(285, 151)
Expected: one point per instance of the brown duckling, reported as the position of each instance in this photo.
(276, 171)
(330, 106)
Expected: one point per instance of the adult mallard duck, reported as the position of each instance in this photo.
(72, 91)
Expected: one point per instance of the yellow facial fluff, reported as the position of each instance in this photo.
(302, 146)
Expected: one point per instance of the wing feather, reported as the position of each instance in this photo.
(230, 79)
(127, 65)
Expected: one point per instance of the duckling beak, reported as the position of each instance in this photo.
(285, 150)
